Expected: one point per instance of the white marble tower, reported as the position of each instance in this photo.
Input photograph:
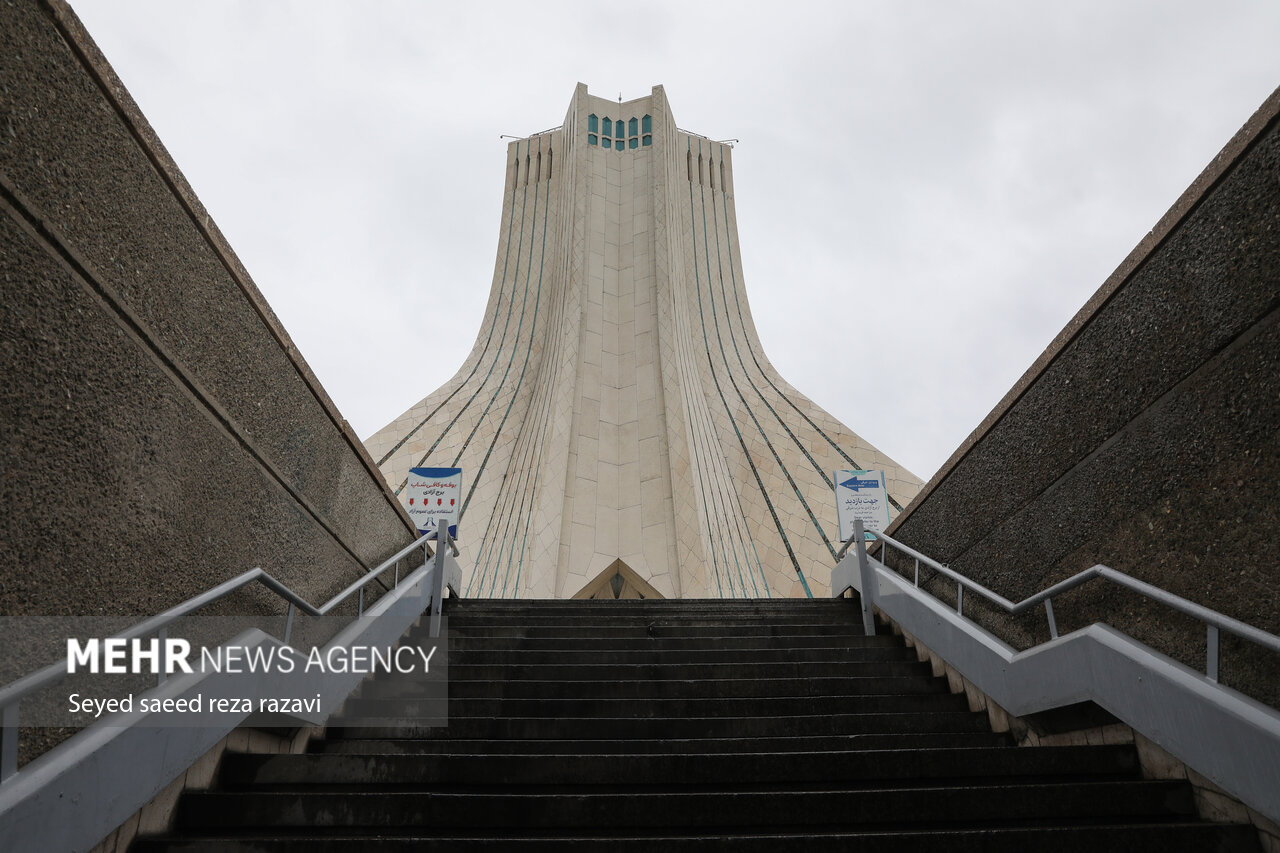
(620, 429)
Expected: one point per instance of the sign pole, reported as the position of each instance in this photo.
(867, 578)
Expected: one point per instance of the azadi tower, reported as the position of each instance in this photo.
(620, 429)
(163, 444)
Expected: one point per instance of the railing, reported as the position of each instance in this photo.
(1212, 619)
(12, 694)
(1222, 734)
(699, 135)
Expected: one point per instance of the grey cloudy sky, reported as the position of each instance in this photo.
(926, 192)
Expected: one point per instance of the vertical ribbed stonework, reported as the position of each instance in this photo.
(617, 422)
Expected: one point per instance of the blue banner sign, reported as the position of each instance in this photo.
(856, 484)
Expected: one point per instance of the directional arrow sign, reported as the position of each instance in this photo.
(857, 485)
(861, 494)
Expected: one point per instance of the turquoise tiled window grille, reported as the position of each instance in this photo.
(621, 134)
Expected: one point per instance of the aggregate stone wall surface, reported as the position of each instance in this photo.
(159, 432)
(1146, 438)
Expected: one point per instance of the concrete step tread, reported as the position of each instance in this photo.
(460, 667)
(595, 728)
(657, 629)
(1136, 837)
(680, 605)
(513, 746)
(622, 657)
(670, 810)
(604, 619)
(662, 688)
(643, 642)
(829, 767)
(695, 706)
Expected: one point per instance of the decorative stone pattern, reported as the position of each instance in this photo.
(617, 415)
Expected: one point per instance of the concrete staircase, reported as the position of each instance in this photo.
(686, 725)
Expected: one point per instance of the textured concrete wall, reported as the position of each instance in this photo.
(1147, 437)
(158, 430)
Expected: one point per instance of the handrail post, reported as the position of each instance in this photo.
(162, 635)
(9, 742)
(288, 623)
(1211, 654)
(1053, 623)
(437, 578)
(868, 579)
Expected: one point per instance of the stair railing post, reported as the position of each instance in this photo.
(426, 590)
(437, 577)
(288, 622)
(9, 742)
(1211, 654)
(162, 635)
(867, 578)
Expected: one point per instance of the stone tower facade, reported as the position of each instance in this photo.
(620, 430)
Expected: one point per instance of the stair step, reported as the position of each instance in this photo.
(595, 728)
(460, 668)
(622, 813)
(638, 642)
(745, 622)
(519, 746)
(698, 706)
(828, 767)
(713, 629)
(1141, 837)
(658, 688)
(675, 607)
(519, 656)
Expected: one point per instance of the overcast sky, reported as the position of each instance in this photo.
(926, 192)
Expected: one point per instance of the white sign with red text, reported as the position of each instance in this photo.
(435, 497)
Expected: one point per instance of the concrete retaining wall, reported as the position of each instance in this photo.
(1147, 437)
(158, 430)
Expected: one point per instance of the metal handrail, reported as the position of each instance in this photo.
(1213, 620)
(13, 693)
(691, 133)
